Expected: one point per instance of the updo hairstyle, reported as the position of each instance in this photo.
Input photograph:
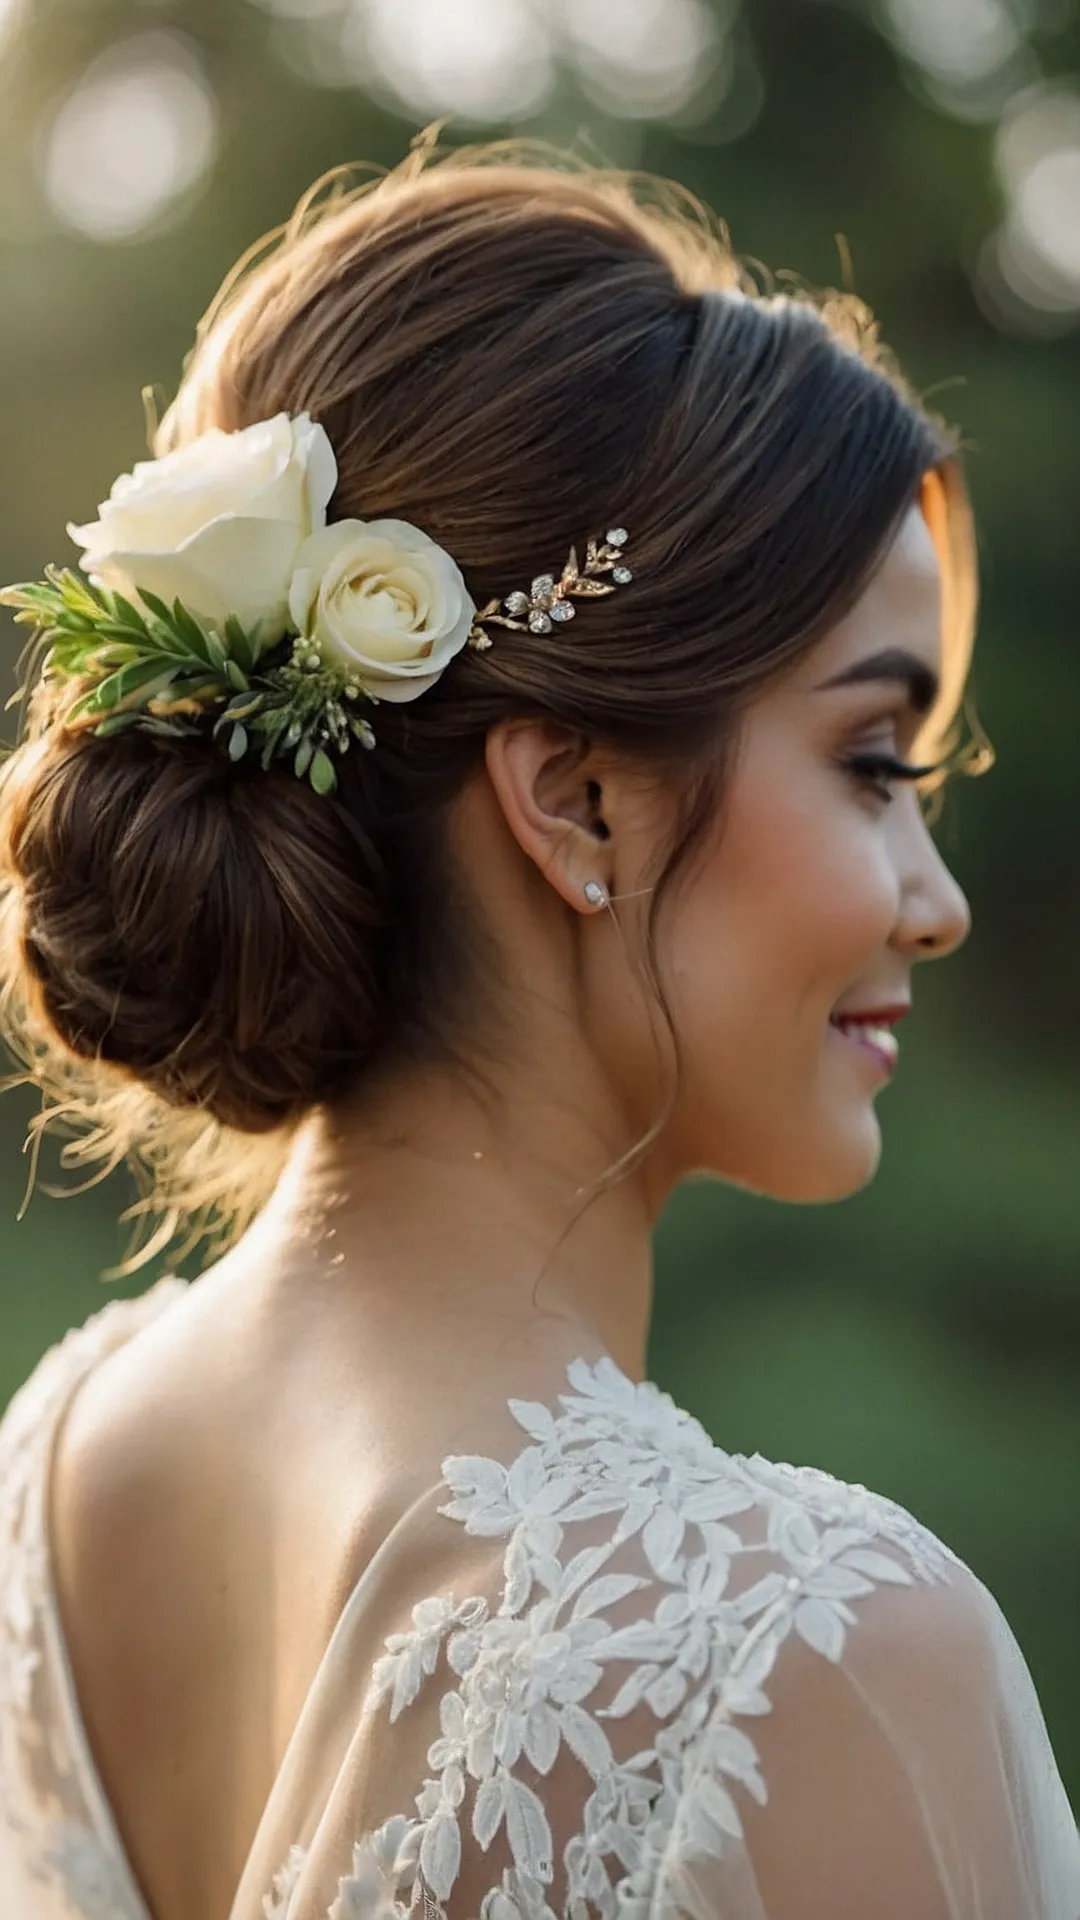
(511, 356)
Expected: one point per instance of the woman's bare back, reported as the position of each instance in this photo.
(208, 1515)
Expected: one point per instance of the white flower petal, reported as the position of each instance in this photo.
(488, 1812)
(440, 1854)
(528, 1830)
(817, 1623)
(233, 566)
(585, 1739)
(536, 1419)
(217, 522)
(384, 600)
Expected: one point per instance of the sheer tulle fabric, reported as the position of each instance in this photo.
(616, 1671)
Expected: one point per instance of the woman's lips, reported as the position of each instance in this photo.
(873, 1034)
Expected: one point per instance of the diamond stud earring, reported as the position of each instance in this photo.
(595, 893)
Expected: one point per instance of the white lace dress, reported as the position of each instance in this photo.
(622, 1673)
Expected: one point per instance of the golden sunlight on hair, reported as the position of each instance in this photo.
(946, 508)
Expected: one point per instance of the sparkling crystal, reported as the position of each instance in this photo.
(616, 536)
(539, 622)
(542, 589)
(562, 610)
(516, 603)
(622, 576)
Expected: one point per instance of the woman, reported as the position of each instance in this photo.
(495, 796)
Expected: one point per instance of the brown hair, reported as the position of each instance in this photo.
(511, 355)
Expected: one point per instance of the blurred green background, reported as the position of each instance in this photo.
(924, 1338)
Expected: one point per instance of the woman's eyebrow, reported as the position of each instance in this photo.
(892, 663)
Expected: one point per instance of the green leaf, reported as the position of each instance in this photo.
(26, 593)
(245, 704)
(216, 652)
(86, 707)
(70, 656)
(74, 620)
(117, 723)
(88, 656)
(193, 686)
(322, 775)
(189, 629)
(127, 615)
(302, 760)
(129, 636)
(271, 724)
(157, 607)
(241, 645)
(238, 742)
(236, 676)
(75, 589)
(142, 676)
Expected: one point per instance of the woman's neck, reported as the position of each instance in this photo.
(424, 1217)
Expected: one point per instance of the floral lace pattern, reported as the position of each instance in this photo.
(699, 1645)
(627, 1598)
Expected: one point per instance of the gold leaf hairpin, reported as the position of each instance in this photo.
(550, 602)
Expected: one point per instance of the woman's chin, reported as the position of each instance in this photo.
(848, 1168)
(838, 1162)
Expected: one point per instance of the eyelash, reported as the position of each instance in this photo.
(875, 769)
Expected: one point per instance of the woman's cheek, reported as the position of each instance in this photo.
(864, 891)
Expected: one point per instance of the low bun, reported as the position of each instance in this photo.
(211, 929)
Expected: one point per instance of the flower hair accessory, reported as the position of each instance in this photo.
(216, 588)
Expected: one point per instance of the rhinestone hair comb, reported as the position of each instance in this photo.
(550, 601)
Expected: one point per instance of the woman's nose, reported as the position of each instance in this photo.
(936, 916)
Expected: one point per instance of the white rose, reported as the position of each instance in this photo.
(382, 600)
(218, 522)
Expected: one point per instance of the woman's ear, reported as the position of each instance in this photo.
(550, 786)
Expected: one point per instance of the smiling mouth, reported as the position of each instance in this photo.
(873, 1034)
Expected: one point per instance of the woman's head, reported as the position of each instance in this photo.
(514, 358)
(791, 928)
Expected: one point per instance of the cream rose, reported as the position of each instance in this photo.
(218, 522)
(381, 599)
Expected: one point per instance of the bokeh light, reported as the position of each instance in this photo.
(485, 59)
(299, 9)
(1029, 270)
(641, 58)
(960, 41)
(971, 54)
(10, 11)
(137, 133)
(498, 60)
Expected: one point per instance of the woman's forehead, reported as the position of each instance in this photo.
(900, 609)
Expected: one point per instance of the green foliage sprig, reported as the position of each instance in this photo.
(160, 668)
